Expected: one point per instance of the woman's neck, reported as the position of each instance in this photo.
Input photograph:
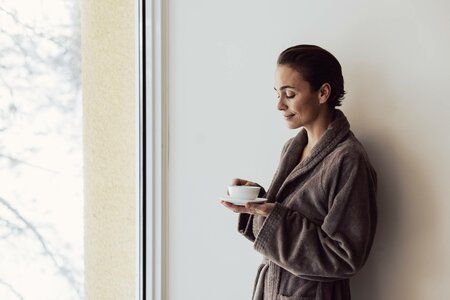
(318, 128)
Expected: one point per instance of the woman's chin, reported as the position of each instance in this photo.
(293, 125)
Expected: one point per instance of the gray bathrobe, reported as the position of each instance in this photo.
(322, 227)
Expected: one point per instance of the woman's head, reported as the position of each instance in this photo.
(316, 66)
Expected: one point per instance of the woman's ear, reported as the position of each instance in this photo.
(324, 92)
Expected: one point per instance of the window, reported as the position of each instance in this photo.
(41, 187)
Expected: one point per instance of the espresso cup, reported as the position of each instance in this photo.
(244, 192)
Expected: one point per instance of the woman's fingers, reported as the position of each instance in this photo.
(240, 181)
(235, 208)
(260, 209)
(251, 208)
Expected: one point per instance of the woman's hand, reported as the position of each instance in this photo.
(263, 209)
(239, 181)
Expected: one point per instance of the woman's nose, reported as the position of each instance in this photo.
(280, 104)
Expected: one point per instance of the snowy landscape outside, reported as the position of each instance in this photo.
(41, 187)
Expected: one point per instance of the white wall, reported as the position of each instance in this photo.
(224, 124)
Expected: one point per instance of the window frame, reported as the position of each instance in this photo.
(153, 149)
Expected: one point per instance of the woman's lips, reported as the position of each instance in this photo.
(287, 117)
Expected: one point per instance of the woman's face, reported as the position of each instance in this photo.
(299, 104)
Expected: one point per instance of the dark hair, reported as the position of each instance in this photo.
(317, 66)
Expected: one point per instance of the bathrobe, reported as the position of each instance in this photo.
(321, 229)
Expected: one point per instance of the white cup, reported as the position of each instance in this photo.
(244, 192)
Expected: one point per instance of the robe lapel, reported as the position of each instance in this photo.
(290, 169)
(288, 162)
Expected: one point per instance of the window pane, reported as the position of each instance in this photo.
(41, 188)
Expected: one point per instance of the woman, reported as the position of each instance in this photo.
(317, 227)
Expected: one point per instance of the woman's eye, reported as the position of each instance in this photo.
(290, 96)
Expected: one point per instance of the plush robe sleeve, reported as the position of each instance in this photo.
(245, 221)
(336, 249)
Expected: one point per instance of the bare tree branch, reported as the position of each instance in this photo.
(32, 29)
(65, 272)
(11, 289)
(19, 161)
(13, 228)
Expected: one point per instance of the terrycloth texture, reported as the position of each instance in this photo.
(322, 227)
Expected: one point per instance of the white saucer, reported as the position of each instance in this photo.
(242, 202)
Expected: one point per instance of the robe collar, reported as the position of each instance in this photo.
(290, 168)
